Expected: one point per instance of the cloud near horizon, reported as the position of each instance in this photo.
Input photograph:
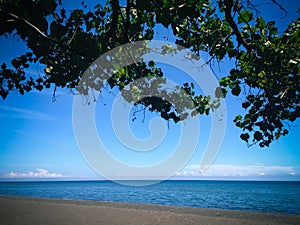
(214, 172)
(40, 173)
(238, 171)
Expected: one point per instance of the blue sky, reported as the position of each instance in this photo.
(37, 139)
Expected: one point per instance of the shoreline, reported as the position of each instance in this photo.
(30, 210)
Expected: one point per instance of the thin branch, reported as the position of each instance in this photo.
(40, 33)
(283, 94)
(127, 23)
(54, 99)
(281, 7)
(33, 27)
(74, 34)
(115, 15)
(232, 24)
(209, 61)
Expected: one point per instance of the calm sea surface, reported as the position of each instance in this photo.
(273, 197)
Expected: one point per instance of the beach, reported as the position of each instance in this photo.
(25, 210)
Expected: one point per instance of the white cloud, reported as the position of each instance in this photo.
(40, 173)
(24, 113)
(237, 171)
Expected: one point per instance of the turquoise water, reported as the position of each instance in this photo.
(262, 196)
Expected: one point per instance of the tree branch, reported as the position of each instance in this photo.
(115, 15)
(73, 34)
(32, 27)
(127, 23)
(228, 7)
(40, 33)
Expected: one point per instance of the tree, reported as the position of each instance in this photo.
(66, 43)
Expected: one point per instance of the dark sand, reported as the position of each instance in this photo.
(41, 211)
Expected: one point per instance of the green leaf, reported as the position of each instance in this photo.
(245, 137)
(3, 93)
(224, 81)
(192, 85)
(232, 53)
(245, 16)
(151, 63)
(166, 3)
(245, 105)
(260, 22)
(39, 87)
(3, 66)
(238, 117)
(285, 132)
(236, 90)
(122, 85)
(258, 135)
(163, 19)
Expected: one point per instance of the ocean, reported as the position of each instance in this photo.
(254, 196)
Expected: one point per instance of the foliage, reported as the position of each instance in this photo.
(67, 42)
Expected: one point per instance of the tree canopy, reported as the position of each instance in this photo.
(266, 69)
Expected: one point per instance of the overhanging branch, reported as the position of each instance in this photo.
(36, 29)
(229, 19)
(39, 32)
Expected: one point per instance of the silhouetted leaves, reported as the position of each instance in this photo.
(65, 43)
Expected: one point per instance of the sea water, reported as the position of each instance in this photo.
(255, 196)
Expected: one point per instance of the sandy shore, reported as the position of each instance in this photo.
(40, 211)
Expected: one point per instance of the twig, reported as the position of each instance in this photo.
(74, 34)
(281, 7)
(33, 27)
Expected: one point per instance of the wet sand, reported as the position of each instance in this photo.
(42, 211)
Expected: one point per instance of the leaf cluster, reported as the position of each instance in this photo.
(65, 43)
